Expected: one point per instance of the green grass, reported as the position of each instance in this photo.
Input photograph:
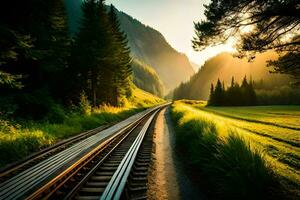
(19, 140)
(279, 138)
(236, 153)
(282, 116)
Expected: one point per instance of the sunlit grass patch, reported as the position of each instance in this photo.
(281, 145)
(233, 166)
(282, 116)
(15, 142)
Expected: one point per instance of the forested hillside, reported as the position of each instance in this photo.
(225, 66)
(150, 46)
(146, 78)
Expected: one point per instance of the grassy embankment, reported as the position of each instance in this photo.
(243, 152)
(18, 140)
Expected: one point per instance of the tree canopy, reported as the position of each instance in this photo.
(44, 68)
(258, 26)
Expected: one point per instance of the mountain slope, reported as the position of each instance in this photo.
(146, 78)
(224, 66)
(195, 66)
(149, 46)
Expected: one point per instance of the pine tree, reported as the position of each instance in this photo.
(59, 48)
(123, 70)
(244, 98)
(232, 82)
(219, 94)
(211, 100)
(244, 82)
(12, 46)
(91, 54)
(252, 95)
(33, 39)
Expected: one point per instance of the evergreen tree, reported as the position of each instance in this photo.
(40, 65)
(224, 99)
(252, 95)
(91, 54)
(19, 32)
(101, 57)
(30, 53)
(123, 71)
(232, 82)
(231, 93)
(219, 94)
(211, 100)
(59, 48)
(13, 45)
(244, 82)
(235, 95)
(244, 98)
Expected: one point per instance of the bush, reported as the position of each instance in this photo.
(56, 114)
(84, 105)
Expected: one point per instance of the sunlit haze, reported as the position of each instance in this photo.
(174, 19)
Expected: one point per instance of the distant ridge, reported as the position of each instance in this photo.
(195, 66)
(150, 46)
(224, 66)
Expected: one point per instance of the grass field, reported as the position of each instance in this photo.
(18, 140)
(272, 130)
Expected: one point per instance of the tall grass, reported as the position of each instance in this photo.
(18, 140)
(229, 166)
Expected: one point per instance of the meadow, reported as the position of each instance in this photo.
(19, 139)
(270, 131)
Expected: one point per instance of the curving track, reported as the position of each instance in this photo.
(67, 174)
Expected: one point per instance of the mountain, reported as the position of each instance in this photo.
(195, 66)
(146, 78)
(224, 66)
(147, 45)
(150, 46)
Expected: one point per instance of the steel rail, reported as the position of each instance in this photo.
(14, 168)
(24, 182)
(88, 157)
(74, 165)
(117, 183)
(71, 194)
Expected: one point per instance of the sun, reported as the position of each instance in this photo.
(200, 57)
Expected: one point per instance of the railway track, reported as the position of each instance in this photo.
(110, 164)
(17, 167)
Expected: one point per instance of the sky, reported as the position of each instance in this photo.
(175, 20)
